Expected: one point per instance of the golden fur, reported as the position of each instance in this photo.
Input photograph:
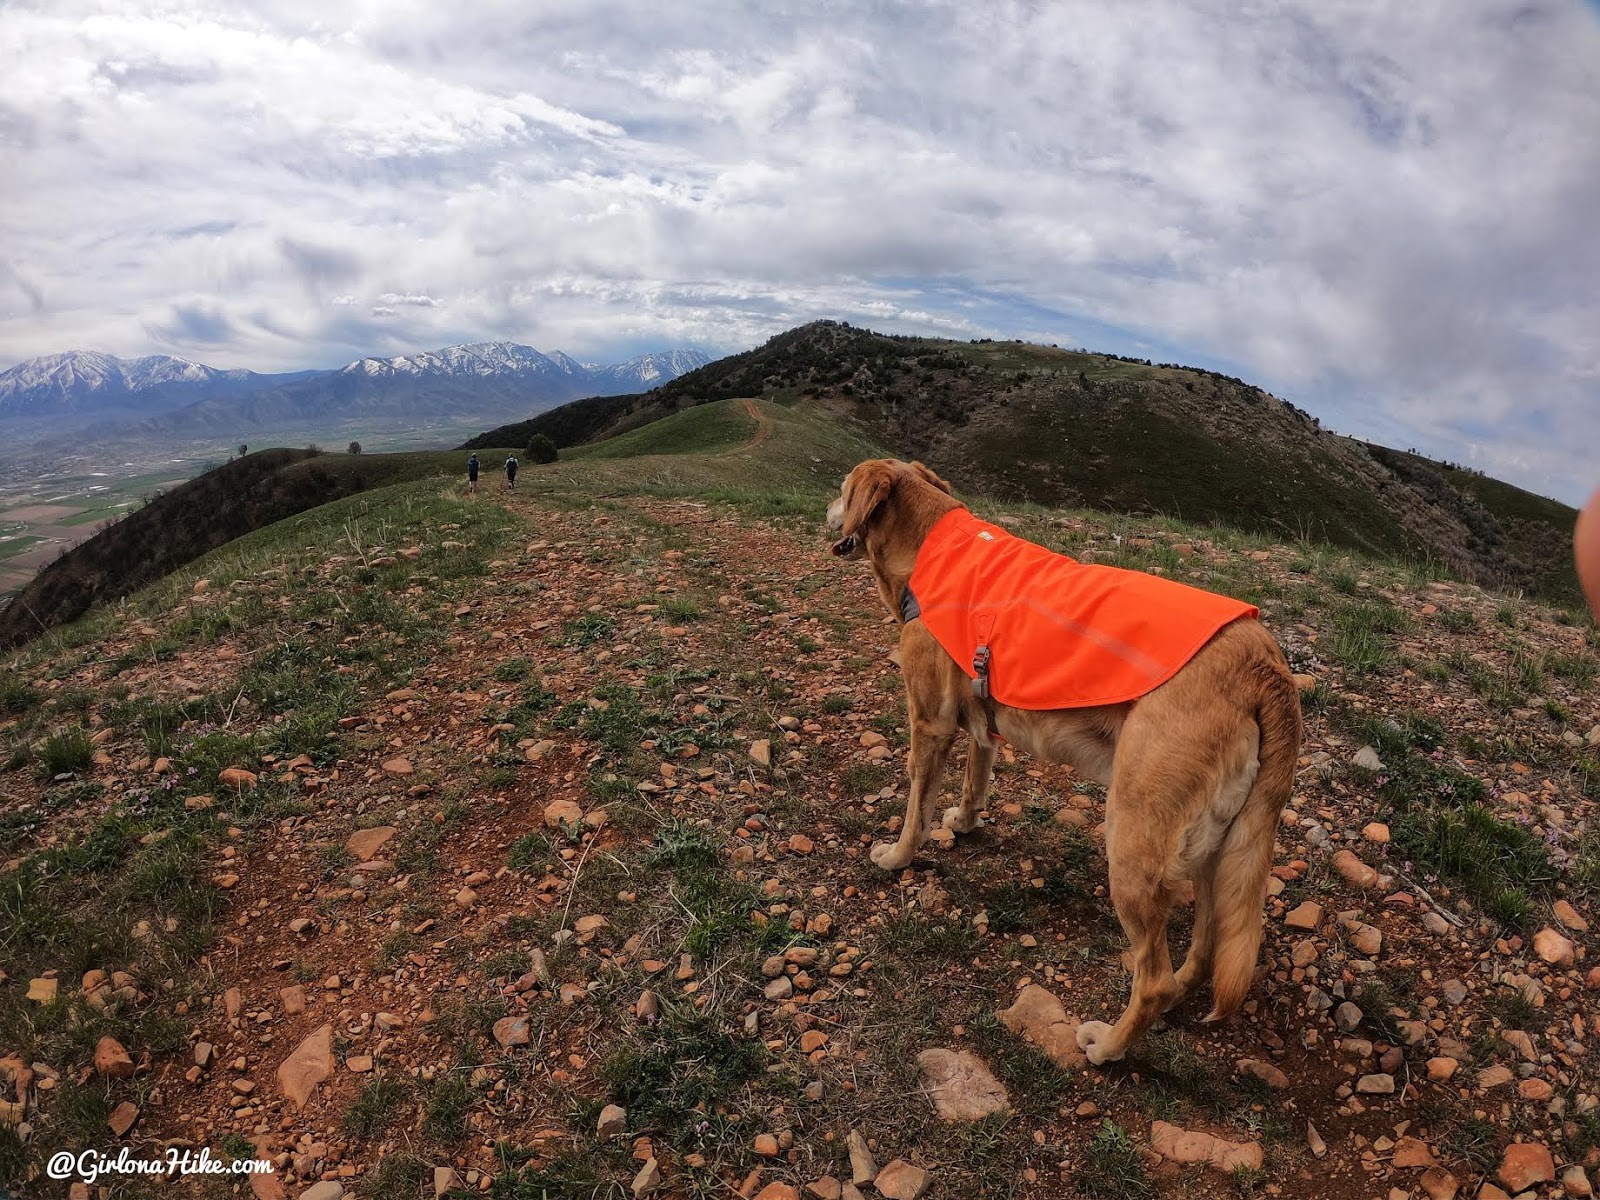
(1198, 769)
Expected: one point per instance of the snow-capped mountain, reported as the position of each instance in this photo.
(651, 370)
(168, 395)
(86, 381)
(475, 358)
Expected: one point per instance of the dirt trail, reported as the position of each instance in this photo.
(762, 432)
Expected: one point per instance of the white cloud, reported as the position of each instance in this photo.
(1382, 213)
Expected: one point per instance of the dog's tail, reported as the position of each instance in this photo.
(1245, 855)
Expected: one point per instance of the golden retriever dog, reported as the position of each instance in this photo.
(1198, 769)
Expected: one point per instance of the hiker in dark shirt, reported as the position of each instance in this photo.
(511, 473)
(472, 475)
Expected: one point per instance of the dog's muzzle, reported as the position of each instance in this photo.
(845, 546)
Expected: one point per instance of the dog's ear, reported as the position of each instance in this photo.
(927, 473)
(870, 485)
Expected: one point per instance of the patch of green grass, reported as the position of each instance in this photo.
(684, 1069)
(1498, 862)
(1557, 711)
(619, 722)
(1512, 1008)
(589, 629)
(1457, 620)
(400, 1175)
(17, 695)
(65, 753)
(444, 1115)
(1475, 1139)
(1363, 635)
(530, 851)
(511, 670)
(682, 608)
(375, 1107)
(1579, 669)
(1112, 1168)
(932, 937)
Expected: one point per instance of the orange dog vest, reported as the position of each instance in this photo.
(1049, 631)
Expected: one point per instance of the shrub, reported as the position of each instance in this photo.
(541, 449)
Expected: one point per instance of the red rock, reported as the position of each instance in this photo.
(1553, 948)
(236, 777)
(512, 1031)
(1306, 916)
(1188, 1146)
(1412, 1152)
(1439, 1184)
(122, 1118)
(1568, 917)
(265, 1185)
(111, 1059)
(1355, 872)
(1525, 1164)
(562, 812)
(309, 1065)
(398, 766)
(364, 843)
(1264, 1071)
(902, 1181)
(961, 1086)
(1038, 1017)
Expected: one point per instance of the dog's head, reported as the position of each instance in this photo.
(865, 492)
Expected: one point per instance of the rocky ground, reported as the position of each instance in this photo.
(519, 847)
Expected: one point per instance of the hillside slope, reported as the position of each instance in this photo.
(178, 526)
(563, 800)
(1051, 426)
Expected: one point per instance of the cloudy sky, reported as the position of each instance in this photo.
(1385, 212)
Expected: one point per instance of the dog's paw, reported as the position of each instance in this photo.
(1094, 1039)
(953, 822)
(887, 856)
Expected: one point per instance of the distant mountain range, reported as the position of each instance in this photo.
(86, 382)
(86, 397)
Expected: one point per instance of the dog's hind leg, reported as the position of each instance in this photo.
(1139, 893)
(1196, 967)
(964, 818)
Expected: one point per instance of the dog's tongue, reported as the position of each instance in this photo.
(844, 545)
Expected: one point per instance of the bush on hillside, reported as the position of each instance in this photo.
(541, 449)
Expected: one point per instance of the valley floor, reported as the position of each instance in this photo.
(562, 800)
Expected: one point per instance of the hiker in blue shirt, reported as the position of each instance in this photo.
(511, 473)
(472, 475)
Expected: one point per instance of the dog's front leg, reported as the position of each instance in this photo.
(975, 788)
(930, 746)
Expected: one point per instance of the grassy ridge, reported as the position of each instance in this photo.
(208, 511)
(1067, 427)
